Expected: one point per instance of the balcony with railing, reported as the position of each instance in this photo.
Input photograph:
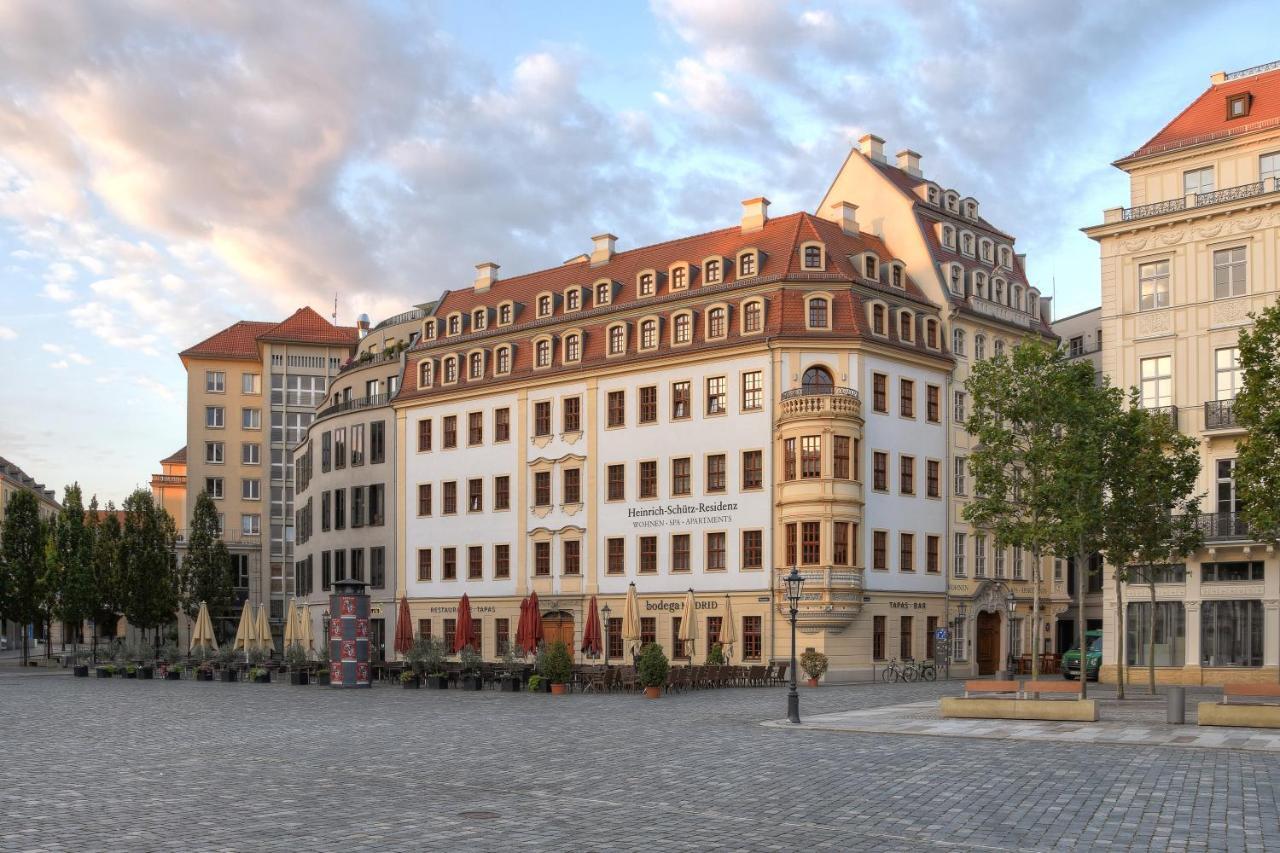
(1169, 413)
(1224, 526)
(829, 600)
(1192, 201)
(354, 404)
(1004, 313)
(1219, 414)
(820, 401)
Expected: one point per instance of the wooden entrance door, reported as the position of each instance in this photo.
(988, 643)
(558, 626)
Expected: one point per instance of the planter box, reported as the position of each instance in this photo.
(1252, 716)
(146, 672)
(173, 675)
(128, 674)
(298, 677)
(976, 708)
(437, 682)
(653, 693)
(262, 678)
(412, 684)
(80, 670)
(470, 682)
(509, 684)
(103, 673)
(204, 675)
(228, 676)
(322, 678)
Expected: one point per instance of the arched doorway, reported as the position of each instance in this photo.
(558, 625)
(817, 380)
(987, 643)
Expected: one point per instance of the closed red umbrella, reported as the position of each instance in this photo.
(535, 622)
(462, 631)
(522, 628)
(404, 627)
(591, 640)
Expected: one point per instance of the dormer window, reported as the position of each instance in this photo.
(966, 243)
(954, 281)
(980, 283)
(542, 353)
(617, 339)
(602, 293)
(572, 347)
(648, 334)
(948, 236)
(455, 324)
(1004, 256)
(878, 319)
(717, 322)
(711, 271)
(679, 277)
(931, 334)
(953, 201)
(753, 317)
(1015, 297)
(933, 196)
(819, 313)
(906, 326)
(681, 328)
(544, 305)
(870, 268)
(970, 210)
(479, 319)
(503, 361)
(813, 257)
(450, 370)
(505, 313)
(895, 275)
(746, 264)
(1238, 105)
(998, 296)
(429, 331)
(475, 368)
(984, 249)
(1033, 303)
(572, 299)
(425, 373)
(957, 341)
(646, 286)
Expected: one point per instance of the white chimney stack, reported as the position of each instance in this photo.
(486, 276)
(909, 162)
(872, 147)
(844, 214)
(755, 213)
(603, 249)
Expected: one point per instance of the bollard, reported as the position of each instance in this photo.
(1176, 710)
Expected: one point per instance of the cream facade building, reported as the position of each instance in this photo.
(13, 480)
(1182, 268)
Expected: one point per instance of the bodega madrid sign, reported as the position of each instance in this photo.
(682, 515)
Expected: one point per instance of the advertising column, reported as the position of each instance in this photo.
(349, 635)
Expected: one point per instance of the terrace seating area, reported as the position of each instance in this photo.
(616, 678)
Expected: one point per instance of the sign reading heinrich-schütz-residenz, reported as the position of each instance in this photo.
(682, 514)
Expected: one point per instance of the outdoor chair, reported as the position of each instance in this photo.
(780, 675)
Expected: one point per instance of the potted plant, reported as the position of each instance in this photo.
(409, 680)
(80, 669)
(510, 680)
(470, 659)
(556, 666)
(652, 670)
(715, 657)
(433, 664)
(321, 674)
(173, 673)
(131, 670)
(146, 670)
(106, 670)
(259, 675)
(814, 664)
(296, 658)
(537, 684)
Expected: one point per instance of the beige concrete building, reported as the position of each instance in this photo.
(1183, 265)
(252, 391)
(169, 487)
(12, 480)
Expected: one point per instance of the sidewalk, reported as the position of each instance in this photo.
(1132, 723)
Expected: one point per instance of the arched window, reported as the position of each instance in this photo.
(999, 348)
(746, 265)
(957, 341)
(646, 284)
(712, 271)
(679, 278)
(979, 347)
(476, 370)
(544, 305)
(424, 374)
(715, 323)
(813, 257)
(617, 340)
(504, 360)
(451, 369)
(455, 324)
(752, 317)
(572, 299)
(681, 328)
(869, 267)
(572, 347)
(817, 380)
(906, 326)
(819, 312)
(878, 325)
(504, 314)
(478, 319)
(649, 334)
(602, 293)
(543, 353)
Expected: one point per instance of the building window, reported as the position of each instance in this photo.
(933, 404)
(648, 479)
(680, 399)
(679, 278)
(907, 475)
(450, 500)
(542, 418)
(502, 424)
(958, 405)
(717, 395)
(475, 428)
(542, 488)
(1228, 377)
(502, 561)
(1157, 382)
(810, 457)
(931, 554)
(752, 317)
(617, 340)
(649, 334)
(615, 556)
(450, 369)
(907, 552)
(711, 271)
(572, 557)
(880, 471)
(251, 454)
(424, 499)
(819, 313)
(502, 492)
(715, 473)
(424, 564)
(648, 555)
(746, 265)
(813, 257)
(571, 414)
(542, 353)
(906, 326)
(877, 637)
(572, 348)
(879, 549)
(213, 452)
(424, 435)
(214, 417)
(715, 552)
(752, 638)
(646, 284)
(1231, 633)
(879, 392)
(504, 361)
(542, 559)
(878, 315)
(998, 551)
(215, 381)
(680, 560)
(1170, 630)
(1229, 273)
(752, 549)
(907, 398)
(616, 409)
(1197, 181)
(933, 478)
(810, 543)
(680, 476)
(450, 437)
(475, 563)
(841, 468)
(573, 485)
(617, 483)
(959, 485)
(905, 649)
(960, 569)
(752, 469)
(979, 347)
(680, 328)
(602, 293)
(979, 555)
(649, 404)
(841, 551)
(1153, 284)
(475, 494)
(475, 369)
(213, 487)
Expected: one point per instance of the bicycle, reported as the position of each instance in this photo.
(926, 670)
(896, 671)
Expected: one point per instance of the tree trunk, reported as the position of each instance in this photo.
(94, 655)
(25, 633)
(1082, 568)
(1121, 634)
(1151, 634)
(1035, 614)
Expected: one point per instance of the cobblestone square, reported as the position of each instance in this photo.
(136, 765)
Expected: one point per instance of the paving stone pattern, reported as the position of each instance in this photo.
(88, 764)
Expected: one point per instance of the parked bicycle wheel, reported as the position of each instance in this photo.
(888, 674)
(929, 674)
(909, 673)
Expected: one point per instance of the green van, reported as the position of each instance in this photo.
(1092, 658)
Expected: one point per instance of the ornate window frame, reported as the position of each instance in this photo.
(550, 341)
(742, 317)
(685, 314)
(706, 321)
(608, 339)
(822, 256)
(564, 345)
(830, 300)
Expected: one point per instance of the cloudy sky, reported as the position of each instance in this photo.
(167, 168)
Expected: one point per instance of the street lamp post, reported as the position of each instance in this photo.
(606, 611)
(1011, 605)
(794, 582)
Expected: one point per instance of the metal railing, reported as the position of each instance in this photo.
(1249, 72)
(820, 391)
(1177, 205)
(1216, 526)
(1232, 193)
(353, 404)
(1219, 414)
(1158, 208)
(1170, 413)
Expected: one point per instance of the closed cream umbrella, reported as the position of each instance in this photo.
(202, 632)
(264, 630)
(291, 625)
(303, 635)
(247, 630)
(688, 626)
(727, 634)
(631, 619)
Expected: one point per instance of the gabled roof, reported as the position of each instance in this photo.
(308, 327)
(1206, 118)
(239, 340)
(177, 457)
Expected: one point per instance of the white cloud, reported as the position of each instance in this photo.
(60, 364)
(159, 389)
(58, 292)
(7, 333)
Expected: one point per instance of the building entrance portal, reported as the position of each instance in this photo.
(988, 643)
(558, 625)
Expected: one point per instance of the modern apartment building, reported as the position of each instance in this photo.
(347, 480)
(971, 270)
(1183, 266)
(12, 480)
(252, 391)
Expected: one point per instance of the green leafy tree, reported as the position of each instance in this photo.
(1257, 409)
(77, 599)
(23, 559)
(106, 567)
(147, 560)
(206, 573)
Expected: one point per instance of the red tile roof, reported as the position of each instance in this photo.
(240, 339)
(1205, 119)
(178, 456)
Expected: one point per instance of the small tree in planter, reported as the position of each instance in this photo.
(556, 666)
(814, 663)
(409, 680)
(510, 682)
(537, 684)
(259, 675)
(715, 657)
(433, 663)
(322, 675)
(296, 658)
(470, 659)
(227, 657)
(652, 670)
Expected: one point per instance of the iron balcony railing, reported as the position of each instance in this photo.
(354, 404)
(1170, 413)
(1219, 414)
(1177, 205)
(1158, 208)
(820, 391)
(1217, 526)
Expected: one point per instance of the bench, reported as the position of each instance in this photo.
(989, 686)
(1070, 689)
(1250, 705)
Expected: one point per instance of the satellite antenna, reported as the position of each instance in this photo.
(335, 309)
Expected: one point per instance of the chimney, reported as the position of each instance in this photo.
(603, 249)
(755, 213)
(872, 147)
(844, 214)
(1217, 77)
(909, 162)
(486, 276)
